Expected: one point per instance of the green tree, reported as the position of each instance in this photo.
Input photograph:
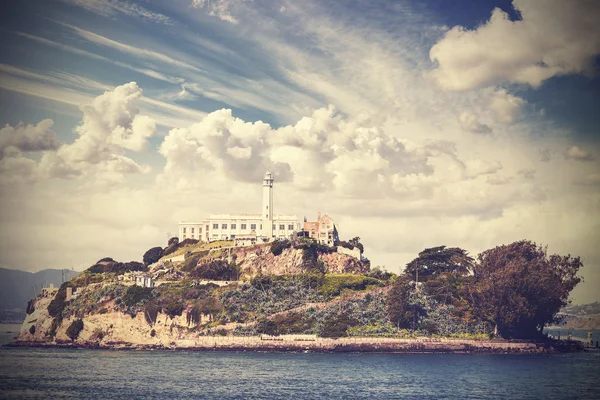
(355, 242)
(153, 255)
(405, 304)
(437, 260)
(520, 289)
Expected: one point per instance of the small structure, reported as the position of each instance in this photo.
(323, 230)
(144, 281)
(71, 294)
(49, 291)
(247, 239)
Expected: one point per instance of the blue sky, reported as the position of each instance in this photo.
(467, 123)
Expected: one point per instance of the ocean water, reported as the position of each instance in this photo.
(31, 373)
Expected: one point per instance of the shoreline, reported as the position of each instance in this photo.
(326, 345)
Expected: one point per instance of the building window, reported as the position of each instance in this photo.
(192, 236)
(192, 230)
(223, 226)
(206, 228)
(243, 226)
(215, 226)
(291, 227)
(233, 226)
(261, 227)
(183, 237)
(199, 230)
(253, 226)
(273, 226)
(281, 227)
(184, 229)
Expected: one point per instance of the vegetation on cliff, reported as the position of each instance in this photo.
(517, 289)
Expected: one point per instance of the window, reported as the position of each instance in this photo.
(183, 237)
(253, 226)
(233, 226)
(261, 227)
(291, 227)
(207, 228)
(184, 229)
(243, 226)
(192, 230)
(215, 226)
(281, 227)
(200, 230)
(223, 226)
(192, 236)
(273, 226)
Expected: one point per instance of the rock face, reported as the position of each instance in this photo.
(258, 260)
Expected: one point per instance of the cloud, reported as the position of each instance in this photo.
(218, 8)
(28, 138)
(110, 8)
(578, 154)
(111, 125)
(131, 50)
(505, 106)
(470, 123)
(553, 38)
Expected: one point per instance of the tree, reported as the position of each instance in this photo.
(153, 255)
(74, 329)
(355, 242)
(405, 305)
(520, 289)
(437, 260)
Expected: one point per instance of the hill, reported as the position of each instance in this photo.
(17, 287)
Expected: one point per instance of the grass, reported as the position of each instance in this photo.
(201, 246)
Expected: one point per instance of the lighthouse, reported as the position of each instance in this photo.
(267, 220)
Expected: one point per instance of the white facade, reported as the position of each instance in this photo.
(193, 230)
(265, 225)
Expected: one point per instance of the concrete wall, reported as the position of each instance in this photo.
(355, 252)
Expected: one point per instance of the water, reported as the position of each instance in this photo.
(30, 373)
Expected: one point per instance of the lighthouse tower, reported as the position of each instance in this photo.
(267, 220)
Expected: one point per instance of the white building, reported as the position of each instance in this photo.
(264, 226)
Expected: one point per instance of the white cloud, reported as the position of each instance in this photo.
(470, 123)
(218, 8)
(28, 138)
(578, 154)
(110, 8)
(505, 106)
(554, 37)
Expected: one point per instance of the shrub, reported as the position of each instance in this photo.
(32, 329)
(53, 327)
(118, 268)
(267, 327)
(174, 308)
(334, 283)
(98, 334)
(74, 329)
(136, 294)
(336, 326)
(219, 270)
(153, 255)
(30, 306)
(105, 259)
(152, 333)
(57, 305)
(173, 241)
(277, 246)
(151, 311)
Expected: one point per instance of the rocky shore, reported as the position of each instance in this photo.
(325, 345)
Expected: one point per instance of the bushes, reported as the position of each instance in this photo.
(118, 268)
(30, 306)
(32, 329)
(153, 255)
(218, 270)
(57, 305)
(74, 329)
(105, 259)
(151, 311)
(333, 284)
(278, 246)
(336, 326)
(174, 308)
(136, 294)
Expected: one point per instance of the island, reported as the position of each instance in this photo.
(301, 295)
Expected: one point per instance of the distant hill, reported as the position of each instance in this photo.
(18, 287)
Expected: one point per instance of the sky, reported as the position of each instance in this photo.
(465, 123)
